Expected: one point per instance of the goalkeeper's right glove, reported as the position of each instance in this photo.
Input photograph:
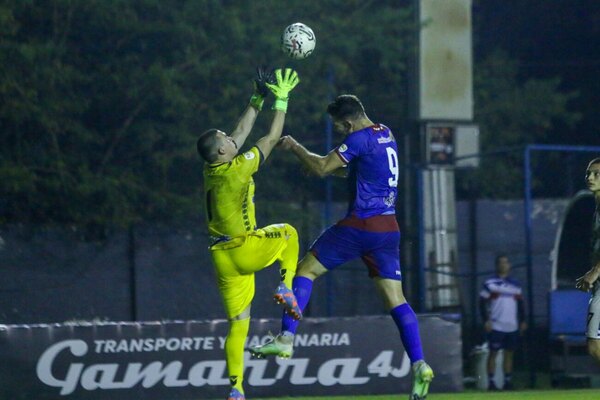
(285, 84)
(263, 75)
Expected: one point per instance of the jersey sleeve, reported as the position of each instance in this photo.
(351, 147)
(246, 164)
(485, 291)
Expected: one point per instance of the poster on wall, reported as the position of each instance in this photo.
(185, 359)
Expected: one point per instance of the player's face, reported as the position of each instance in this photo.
(342, 126)
(503, 266)
(227, 145)
(592, 177)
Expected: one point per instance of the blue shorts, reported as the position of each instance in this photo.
(380, 251)
(503, 340)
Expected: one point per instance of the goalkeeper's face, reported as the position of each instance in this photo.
(227, 147)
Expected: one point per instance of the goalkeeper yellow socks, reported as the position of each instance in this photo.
(234, 351)
(289, 256)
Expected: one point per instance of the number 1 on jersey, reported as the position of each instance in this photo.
(393, 164)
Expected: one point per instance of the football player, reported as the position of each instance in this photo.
(590, 280)
(239, 248)
(370, 231)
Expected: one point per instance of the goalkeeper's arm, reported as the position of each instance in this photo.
(286, 82)
(248, 117)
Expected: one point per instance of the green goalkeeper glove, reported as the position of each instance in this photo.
(285, 84)
(264, 75)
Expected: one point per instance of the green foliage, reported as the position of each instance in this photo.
(511, 114)
(101, 101)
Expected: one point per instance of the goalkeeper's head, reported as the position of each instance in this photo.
(214, 146)
(347, 113)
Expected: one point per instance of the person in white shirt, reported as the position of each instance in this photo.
(503, 312)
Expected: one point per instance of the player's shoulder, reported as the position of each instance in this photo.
(492, 280)
(513, 281)
(253, 155)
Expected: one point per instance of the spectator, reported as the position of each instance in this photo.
(503, 313)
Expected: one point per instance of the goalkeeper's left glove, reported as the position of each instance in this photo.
(264, 75)
(285, 84)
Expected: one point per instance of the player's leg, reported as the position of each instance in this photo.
(282, 345)
(507, 365)
(408, 326)
(237, 291)
(593, 346)
(510, 342)
(383, 262)
(494, 344)
(491, 370)
(277, 242)
(324, 255)
(593, 327)
(334, 247)
(234, 352)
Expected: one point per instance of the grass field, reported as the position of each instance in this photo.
(579, 394)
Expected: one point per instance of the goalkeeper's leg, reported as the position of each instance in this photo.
(277, 242)
(288, 261)
(234, 352)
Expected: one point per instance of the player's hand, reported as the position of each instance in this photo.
(263, 76)
(488, 326)
(287, 143)
(584, 283)
(286, 82)
(522, 328)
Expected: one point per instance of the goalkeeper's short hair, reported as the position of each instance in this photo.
(207, 145)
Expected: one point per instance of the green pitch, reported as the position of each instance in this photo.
(580, 394)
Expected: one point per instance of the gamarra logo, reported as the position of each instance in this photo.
(342, 371)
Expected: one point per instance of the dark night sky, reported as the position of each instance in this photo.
(550, 38)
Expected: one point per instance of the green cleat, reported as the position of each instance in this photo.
(279, 346)
(423, 375)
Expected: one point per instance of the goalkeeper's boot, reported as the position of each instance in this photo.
(423, 375)
(285, 296)
(236, 395)
(279, 346)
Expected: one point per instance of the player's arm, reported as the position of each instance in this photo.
(484, 309)
(244, 125)
(248, 117)
(314, 163)
(341, 172)
(286, 82)
(266, 143)
(521, 314)
(586, 281)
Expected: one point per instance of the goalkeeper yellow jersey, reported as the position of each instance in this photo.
(229, 194)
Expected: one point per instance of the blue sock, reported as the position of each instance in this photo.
(302, 288)
(406, 321)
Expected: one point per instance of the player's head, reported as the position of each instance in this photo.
(592, 175)
(346, 110)
(502, 265)
(214, 145)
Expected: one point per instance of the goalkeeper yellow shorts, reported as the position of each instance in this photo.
(235, 267)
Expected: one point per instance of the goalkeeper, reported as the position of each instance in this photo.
(238, 248)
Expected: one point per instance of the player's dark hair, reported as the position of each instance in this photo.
(594, 161)
(346, 106)
(207, 145)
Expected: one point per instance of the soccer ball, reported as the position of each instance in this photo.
(298, 41)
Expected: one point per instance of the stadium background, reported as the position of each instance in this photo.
(102, 101)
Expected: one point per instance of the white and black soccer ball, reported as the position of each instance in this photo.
(298, 41)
